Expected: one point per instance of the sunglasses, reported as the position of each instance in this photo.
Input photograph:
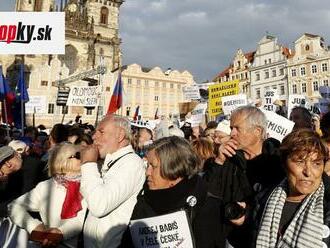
(76, 155)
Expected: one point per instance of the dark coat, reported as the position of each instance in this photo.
(205, 217)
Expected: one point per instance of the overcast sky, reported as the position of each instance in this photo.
(202, 36)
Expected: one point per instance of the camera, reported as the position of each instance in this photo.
(234, 211)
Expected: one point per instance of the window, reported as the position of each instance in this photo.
(107, 88)
(315, 86)
(51, 108)
(266, 74)
(282, 90)
(89, 111)
(129, 81)
(146, 83)
(269, 61)
(265, 61)
(314, 69)
(293, 72)
(171, 86)
(274, 87)
(44, 83)
(303, 88)
(156, 84)
(164, 85)
(307, 47)
(156, 98)
(179, 86)
(294, 89)
(104, 15)
(324, 67)
(302, 71)
(326, 82)
(257, 93)
(257, 76)
(138, 82)
(128, 110)
(274, 73)
(281, 71)
(65, 110)
(53, 84)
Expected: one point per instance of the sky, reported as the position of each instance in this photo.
(202, 36)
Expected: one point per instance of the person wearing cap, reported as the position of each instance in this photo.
(10, 162)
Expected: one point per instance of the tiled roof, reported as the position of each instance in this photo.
(225, 72)
(249, 56)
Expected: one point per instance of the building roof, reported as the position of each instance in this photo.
(249, 56)
(225, 72)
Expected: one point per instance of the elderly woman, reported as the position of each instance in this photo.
(57, 200)
(297, 210)
(172, 185)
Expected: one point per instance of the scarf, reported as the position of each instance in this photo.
(72, 202)
(306, 228)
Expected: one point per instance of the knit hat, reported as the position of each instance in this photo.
(224, 126)
(5, 153)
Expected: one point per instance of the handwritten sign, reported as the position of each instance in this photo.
(191, 93)
(269, 98)
(198, 114)
(230, 103)
(87, 96)
(277, 126)
(217, 91)
(170, 230)
(37, 104)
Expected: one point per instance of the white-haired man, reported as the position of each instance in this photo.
(111, 194)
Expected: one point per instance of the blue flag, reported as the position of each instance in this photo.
(21, 91)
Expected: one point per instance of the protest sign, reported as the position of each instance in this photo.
(198, 114)
(36, 104)
(295, 101)
(269, 98)
(87, 96)
(230, 103)
(191, 92)
(277, 126)
(217, 91)
(185, 108)
(170, 230)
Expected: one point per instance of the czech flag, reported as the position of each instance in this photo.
(117, 97)
(136, 114)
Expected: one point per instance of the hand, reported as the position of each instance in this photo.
(89, 154)
(227, 149)
(40, 228)
(239, 221)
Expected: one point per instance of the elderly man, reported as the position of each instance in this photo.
(10, 162)
(249, 163)
(111, 194)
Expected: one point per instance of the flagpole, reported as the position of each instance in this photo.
(5, 112)
(22, 116)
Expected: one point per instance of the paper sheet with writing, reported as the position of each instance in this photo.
(170, 230)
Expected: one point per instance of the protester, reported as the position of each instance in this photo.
(296, 212)
(10, 162)
(172, 182)
(204, 150)
(57, 200)
(301, 117)
(111, 194)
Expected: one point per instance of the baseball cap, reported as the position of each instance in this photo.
(5, 153)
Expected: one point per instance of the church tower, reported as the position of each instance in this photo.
(35, 5)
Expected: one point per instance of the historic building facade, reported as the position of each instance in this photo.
(92, 36)
(152, 89)
(269, 68)
(309, 66)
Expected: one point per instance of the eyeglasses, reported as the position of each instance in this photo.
(76, 155)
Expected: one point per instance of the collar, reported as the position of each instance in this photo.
(111, 157)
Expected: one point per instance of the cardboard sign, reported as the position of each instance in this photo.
(198, 114)
(295, 101)
(37, 104)
(185, 108)
(269, 98)
(230, 103)
(87, 96)
(217, 91)
(170, 230)
(277, 126)
(191, 93)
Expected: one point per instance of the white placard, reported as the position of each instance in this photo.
(269, 98)
(191, 92)
(83, 96)
(32, 33)
(295, 101)
(230, 103)
(170, 230)
(37, 103)
(198, 114)
(277, 126)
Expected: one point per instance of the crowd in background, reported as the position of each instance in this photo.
(81, 185)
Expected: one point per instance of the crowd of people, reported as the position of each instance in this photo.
(83, 187)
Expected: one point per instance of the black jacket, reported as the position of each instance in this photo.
(205, 217)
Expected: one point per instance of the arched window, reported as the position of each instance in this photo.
(104, 15)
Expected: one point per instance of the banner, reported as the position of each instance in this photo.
(230, 103)
(277, 126)
(170, 230)
(87, 96)
(191, 93)
(295, 101)
(198, 114)
(37, 104)
(32, 33)
(269, 98)
(217, 91)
